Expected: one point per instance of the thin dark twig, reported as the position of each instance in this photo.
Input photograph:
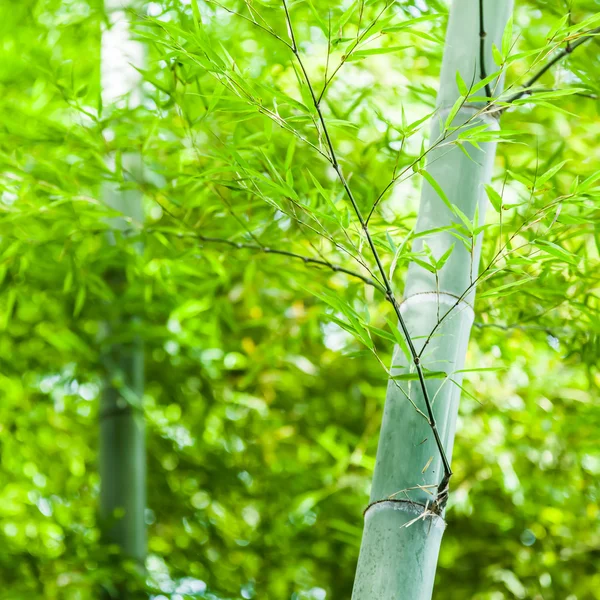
(482, 35)
(235, 216)
(240, 91)
(396, 177)
(580, 94)
(443, 486)
(515, 327)
(266, 29)
(586, 36)
(438, 143)
(305, 235)
(357, 41)
(484, 272)
(268, 250)
(293, 202)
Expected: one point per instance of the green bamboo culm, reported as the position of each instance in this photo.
(122, 453)
(403, 526)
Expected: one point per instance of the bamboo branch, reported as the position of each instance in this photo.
(533, 91)
(359, 38)
(480, 277)
(586, 36)
(515, 327)
(267, 29)
(443, 486)
(268, 250)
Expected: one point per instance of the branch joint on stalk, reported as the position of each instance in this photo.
(417, 510)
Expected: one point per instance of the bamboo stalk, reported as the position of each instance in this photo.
(404, 523)
(122, 460)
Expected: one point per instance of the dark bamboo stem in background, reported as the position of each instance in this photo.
(122, 444)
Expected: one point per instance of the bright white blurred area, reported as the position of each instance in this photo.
(120, 80)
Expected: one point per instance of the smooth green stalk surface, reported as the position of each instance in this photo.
(122, 432)
(122, 451)
(402, 535)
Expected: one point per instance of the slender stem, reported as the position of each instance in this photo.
(580, 94)
(268, 250)
(482, 34)
(546, 330)
(586, 36)
(359, 37)
(487, 268)
(442, 488)
(266, 29)
(395, 177)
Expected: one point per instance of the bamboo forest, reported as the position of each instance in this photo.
(299, 299)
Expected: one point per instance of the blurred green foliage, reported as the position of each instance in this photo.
(263, 412)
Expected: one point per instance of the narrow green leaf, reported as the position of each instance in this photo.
(558, 252)
(462, 86)
(79, 301)
(390, 241)
(437, 188)
(541, 180)
(444, 258)
(338, 26)
(427, 266)
(461, 215)
(410, 22)
(454, 111)
(497, 55)
(9, 308)
(415, 376)
(507, 38)
(196, 15)
(481, 84)
(289, 155)
(360, 54)
(506, 289)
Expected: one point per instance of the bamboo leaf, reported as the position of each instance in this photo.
(462, 86)
(497, 55)
(341, 22)
(444, 258)
(558, 252)
(542, 179)
(399, 252)
(479, 85)
(79, 301)
(360, 54)
(415, 376)
(437, 188)
(507, 38)
(506, 289)
(454, 111)
(494, 197)
(410, 22)
(196, 15)
(465, 220)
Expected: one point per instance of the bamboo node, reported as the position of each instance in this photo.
(420, 511)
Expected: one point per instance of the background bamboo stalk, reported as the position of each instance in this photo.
(402, 535)
(122, 432)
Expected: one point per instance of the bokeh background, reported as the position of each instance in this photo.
(262, 412)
